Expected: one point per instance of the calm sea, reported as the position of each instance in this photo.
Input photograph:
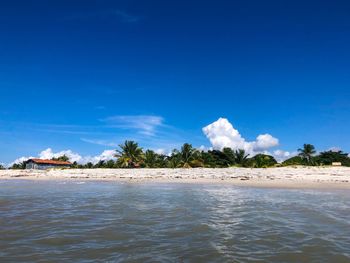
(121, 222)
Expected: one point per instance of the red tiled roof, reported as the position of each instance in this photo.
(42, 161)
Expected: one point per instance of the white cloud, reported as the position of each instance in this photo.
(160, 151)
(104, 156)
(144, 124)
(49, 154)
(73, 156)
(20, 160)
(281, 155)
(222, 134)
(265, 141)
(202, 148)
(334, 149)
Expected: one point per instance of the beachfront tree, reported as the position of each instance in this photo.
(89, 165)
(111, 164)
(174, 160)
(130, 155)
(187, 155)
(2, 167)
(307, 152)
(295, 160)
(75, 165)
(217, 158)
(162, 161)
(100, 164)
(150, 159)
(63, 158)
(229, 155)
(18, 166)
(208, 159)
(241, 157)
(328, 157)
(261, 161)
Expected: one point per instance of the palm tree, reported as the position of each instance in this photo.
(18, 166)
(63, 158)
(241, 157)
(187, 155)
(130, 155)
(307, 152)
(229, 155)
(151, 159)
(89, 165)
(111, 164)
(100, 164)
(174, 160)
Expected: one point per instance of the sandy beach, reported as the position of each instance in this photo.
(285, 177)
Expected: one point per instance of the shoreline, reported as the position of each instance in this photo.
(278, 177)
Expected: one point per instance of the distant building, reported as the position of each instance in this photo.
(336, 164)
(40, 164)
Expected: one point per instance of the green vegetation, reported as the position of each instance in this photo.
(296, 160)
(130, 155)
(327, 158)
(2, 167)
(262, 161)
(188, 155)
(307, 156)
(174, 160)
(306, 153)
(241, 158)
(154, 160)
(18, 166)
(63, 158)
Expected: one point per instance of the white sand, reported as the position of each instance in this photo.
(285, 177)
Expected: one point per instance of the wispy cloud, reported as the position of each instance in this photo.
(150, 131)
(143, 124)
(146, 125)
(126, 17)
(99, 142)
(119, 14)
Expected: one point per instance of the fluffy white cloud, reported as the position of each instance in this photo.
(49, 154)
(104, 156)
(20, 160)
(281, 155)
(222, 134)
(264, 141)
(73, 156)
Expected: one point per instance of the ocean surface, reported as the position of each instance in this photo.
(74, 221)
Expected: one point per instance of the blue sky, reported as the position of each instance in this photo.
(86, 75)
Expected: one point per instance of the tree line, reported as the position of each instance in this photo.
(130, 155)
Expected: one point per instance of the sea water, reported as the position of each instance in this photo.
(77, 221)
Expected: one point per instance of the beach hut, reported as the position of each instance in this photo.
(336, 164)
(40, 164)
